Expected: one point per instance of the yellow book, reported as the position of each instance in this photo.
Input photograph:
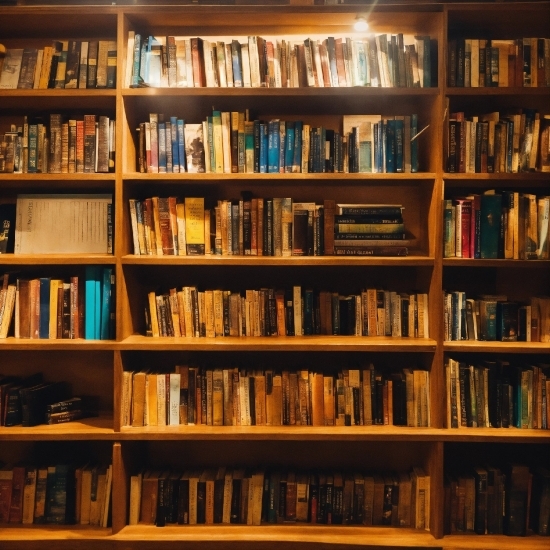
(194, 225)
(55, 284)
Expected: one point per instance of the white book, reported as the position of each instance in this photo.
(129, 59)
(161, 400)
(11, 69)
(181, 64)
(254, 59)
(220, 58)
(228, 65)
(62, 224)
(247, 83)
(174, 395)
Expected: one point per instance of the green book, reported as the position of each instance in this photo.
(491, 209)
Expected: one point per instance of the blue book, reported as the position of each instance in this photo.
(181, 144)
(92, 296)
(144, 61)
(490, 221)
(414, 143)
(297, 160)
(44, 327)
(399, 137)
(105, 303)
(331, 50)
(257, 139)
(162, 147)
(136, 77)
(390, 146)
(263, 147)
(237, 64)
(273, 147)
(174, 144)
(282, 134)
(289, 146)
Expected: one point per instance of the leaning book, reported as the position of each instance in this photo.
(63, 224)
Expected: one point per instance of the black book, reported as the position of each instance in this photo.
(172, 499)
(201, 499)
(272, 312)
(35, 400)
(60, 496)
(289, 313)
(161, 500)
(13, 411)
(7, 228)
(236, 497)
(252, 400)
(183, 499)
(218, 495)
(57, 48)
(308, 311)
(480, 519)
(516, 500)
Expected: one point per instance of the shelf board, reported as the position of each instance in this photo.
(39, 344)
(58, 92)
(282, 178)
(279, 343)
(496, 347)
(500, 176)
(57, 259)
(314, 92)
(496, 91)
(88, 428)
(222, 261)
(52, 178)
(471, 262)
(18, 533)
(332, 433)
(291, 533)
(493, 542)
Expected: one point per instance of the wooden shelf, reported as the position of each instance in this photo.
(221, 261)
(502, 263)
(87, 428)
(490, 91)
(280, 343)
(77, 534)
(57, 259)
(496, 347)
(282, 179)
(494, 542)
(80, 344)
(333, 433)
(362, 91)
(304, 533)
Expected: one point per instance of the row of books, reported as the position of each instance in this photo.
(254, 497)
(60, 494)
(504, 224)
(492, 317)
(295, 311)
(48, 308)
(29, 401)
(229, 142)
(484, 62)
(233, 397)
(497, 394)
(382, 60)
(498, 143)
(66, 64)
(59, 145)
(514, 501)
(167, 226)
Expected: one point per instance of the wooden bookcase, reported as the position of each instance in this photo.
(97, 367)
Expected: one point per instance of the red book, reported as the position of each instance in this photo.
(18, 484)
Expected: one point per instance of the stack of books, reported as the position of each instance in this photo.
(58, 494)
(492, 500)
(236, 495)
(505, 224)
(493, 317)
(382, 60)
(369, 230)
(66, 64)
(240, 397)
(497, 394)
